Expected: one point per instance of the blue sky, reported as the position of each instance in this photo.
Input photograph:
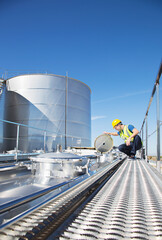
(113, 46)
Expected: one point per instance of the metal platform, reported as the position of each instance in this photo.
(129, 206)
(122, 200)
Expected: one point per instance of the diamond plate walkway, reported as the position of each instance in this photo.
(129, 206)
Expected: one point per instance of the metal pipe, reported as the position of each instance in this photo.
(153, 92)
(23, 199)
(158, 126)
(17, 141)
(28, 126)
(142, 155)
(66, 109)
(45, 134)
(146, 140)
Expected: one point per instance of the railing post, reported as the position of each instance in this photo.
(158, 126)
(45, 134)
(61, 139)
(66, 99)
(142, 154)
(146, 141)
(17, 141)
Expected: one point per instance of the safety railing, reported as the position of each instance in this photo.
(37, 133)
(9, 73)
(144, 129)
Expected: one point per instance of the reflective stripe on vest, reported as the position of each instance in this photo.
(126, 133)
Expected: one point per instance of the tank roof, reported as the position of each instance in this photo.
(46, 74)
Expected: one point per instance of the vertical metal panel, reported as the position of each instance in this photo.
(40, 101)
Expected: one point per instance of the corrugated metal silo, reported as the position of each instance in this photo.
(57, 104)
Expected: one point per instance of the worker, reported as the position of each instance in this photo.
(130, 134)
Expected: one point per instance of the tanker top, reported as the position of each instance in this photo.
(103, 143)
(58, 155)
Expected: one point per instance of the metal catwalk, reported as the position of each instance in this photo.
(129, 206)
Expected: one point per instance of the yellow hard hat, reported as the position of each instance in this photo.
(115, 122)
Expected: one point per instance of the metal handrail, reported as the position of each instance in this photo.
(152, 132)
(1, 120)
(43, 130)
(153, 92)
(54, 134)
(18, 202)
(155, 89)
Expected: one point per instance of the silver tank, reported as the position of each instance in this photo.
(58, 104)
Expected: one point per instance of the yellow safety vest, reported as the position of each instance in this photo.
(126, 133)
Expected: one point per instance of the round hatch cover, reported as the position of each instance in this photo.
(103, 143)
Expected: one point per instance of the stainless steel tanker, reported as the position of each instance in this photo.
(26, 185)
(57, 104)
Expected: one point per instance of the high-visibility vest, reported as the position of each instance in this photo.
(126, 133)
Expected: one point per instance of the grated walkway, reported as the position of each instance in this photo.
(129, 206)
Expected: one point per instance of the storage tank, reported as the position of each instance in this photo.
(57, 104)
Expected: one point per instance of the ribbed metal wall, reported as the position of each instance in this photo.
(57, 104)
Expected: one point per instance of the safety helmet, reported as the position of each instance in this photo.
(115, 122)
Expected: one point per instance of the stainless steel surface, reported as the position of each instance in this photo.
(103, 143)
(25, 221)
(12, 156)
(59, 164)
(39, 100)
(129, 206)
(22, 192)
